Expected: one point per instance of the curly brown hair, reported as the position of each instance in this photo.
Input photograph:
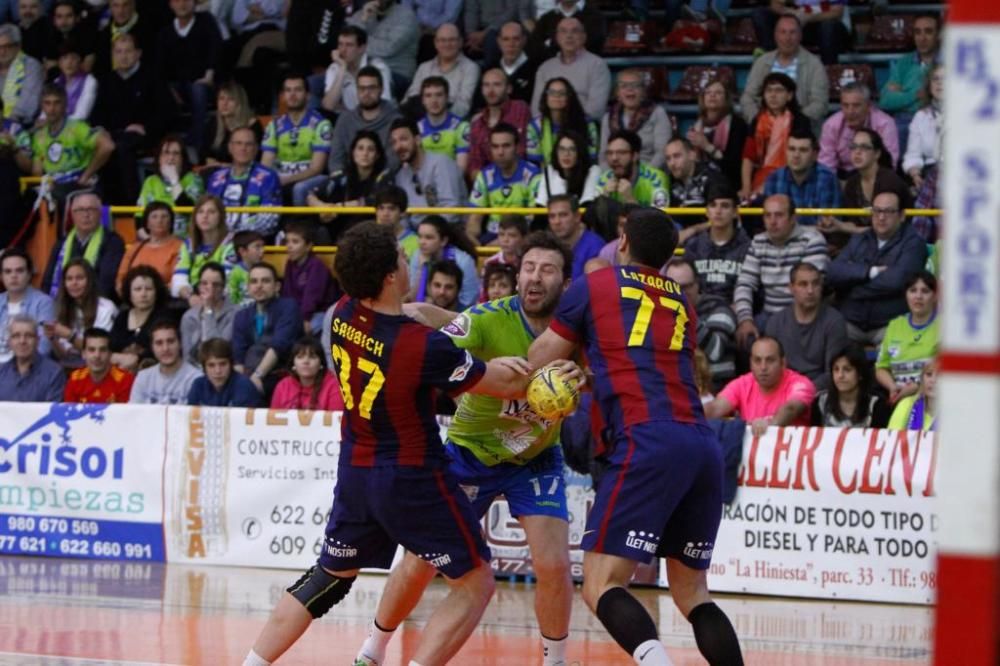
(366, 254)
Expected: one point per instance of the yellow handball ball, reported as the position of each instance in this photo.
(550, 395)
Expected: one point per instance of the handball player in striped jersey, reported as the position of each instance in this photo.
(393, 484)
(661, 494)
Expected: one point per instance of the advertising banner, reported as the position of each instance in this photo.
(81, 480)
(832, 513)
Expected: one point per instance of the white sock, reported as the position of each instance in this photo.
(553, 651)
(376, 643)
(254, 659)
(651, 653)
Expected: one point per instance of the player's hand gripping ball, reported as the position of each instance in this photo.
(551, 395)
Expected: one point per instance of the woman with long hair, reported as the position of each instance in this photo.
(911, 340)
(209, 240)
(916, 412)
(569, 171)
(764, 151)
(851, 401)
(173, 183)
(355, 185)
(309, 384)
(559, 109)
(873, 173)
(78, 307)
(719, 134)
(232, 111)
(160, 248)
(439, 240)
(145, 296)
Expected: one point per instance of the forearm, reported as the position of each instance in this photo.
(787, 413)
(267, 363)
(885, 379)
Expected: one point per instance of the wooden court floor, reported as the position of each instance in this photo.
(73, 612)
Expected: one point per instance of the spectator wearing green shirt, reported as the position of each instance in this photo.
(391, 202)
(68, 151)
(441, 131)
(628, 180)
(910, 341)
(297, 144)
(508, 182)
(174, 183)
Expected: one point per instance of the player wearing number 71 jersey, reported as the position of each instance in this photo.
(662, 491)
(393, 485)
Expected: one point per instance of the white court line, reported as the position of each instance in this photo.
(32, 658)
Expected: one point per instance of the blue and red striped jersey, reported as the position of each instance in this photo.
(638, 334)
(390, 368)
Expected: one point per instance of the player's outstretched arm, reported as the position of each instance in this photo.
(429, 314)
(506, 377)
(548, 347)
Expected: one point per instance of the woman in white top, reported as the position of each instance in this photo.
(923, 148)
(78, 307)
(569, 171)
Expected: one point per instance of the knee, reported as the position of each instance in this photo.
(551, 566)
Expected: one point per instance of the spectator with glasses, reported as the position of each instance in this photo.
(559, 109)
(632, 111)
(211, 318)
(372, 113)
(870, 274)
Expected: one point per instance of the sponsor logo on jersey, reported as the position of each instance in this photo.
(459, 326)
(462, 371)
(647, 542)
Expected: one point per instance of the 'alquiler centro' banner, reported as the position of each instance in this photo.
(819, 512)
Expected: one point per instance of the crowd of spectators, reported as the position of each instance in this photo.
(400, 104)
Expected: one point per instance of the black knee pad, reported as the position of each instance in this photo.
(320, 591)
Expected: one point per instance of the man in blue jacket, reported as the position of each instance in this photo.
(220, 386)
(263, 333)
(870, 274)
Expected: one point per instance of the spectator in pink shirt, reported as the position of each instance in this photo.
(771, 394)
(310, 384)
(856, 111)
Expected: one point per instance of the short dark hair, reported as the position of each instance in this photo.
(367, 253)
(435, 82)
(54, 90)
(266, 266)
(393, 195)
(94, 332)
(782, 80)
(568, 198)
(359, 33)
(546, 240)
(652, 236)
(370, 72)
(514, 221)
(802, 266)
(925, 15)
(166, 324)
(776, 341)
(923, 276)
(629, 137)
(215, 348)
(681, 140)
(805, 134)
(301, 228)
(446, 267)
(243, 239)
(154, 206)
(18, 252)
(721, 191)
(295, 75)
(504, 128)
(213, 266)
(405, 122)
(495, 268)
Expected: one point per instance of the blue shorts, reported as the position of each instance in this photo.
(535, 489)
(422, 510)
(661, 495)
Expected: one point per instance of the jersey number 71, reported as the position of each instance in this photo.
(645, 314)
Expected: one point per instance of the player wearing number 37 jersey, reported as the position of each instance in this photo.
(661, 493)
(393, 485)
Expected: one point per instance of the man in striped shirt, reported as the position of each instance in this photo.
(772, 253)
